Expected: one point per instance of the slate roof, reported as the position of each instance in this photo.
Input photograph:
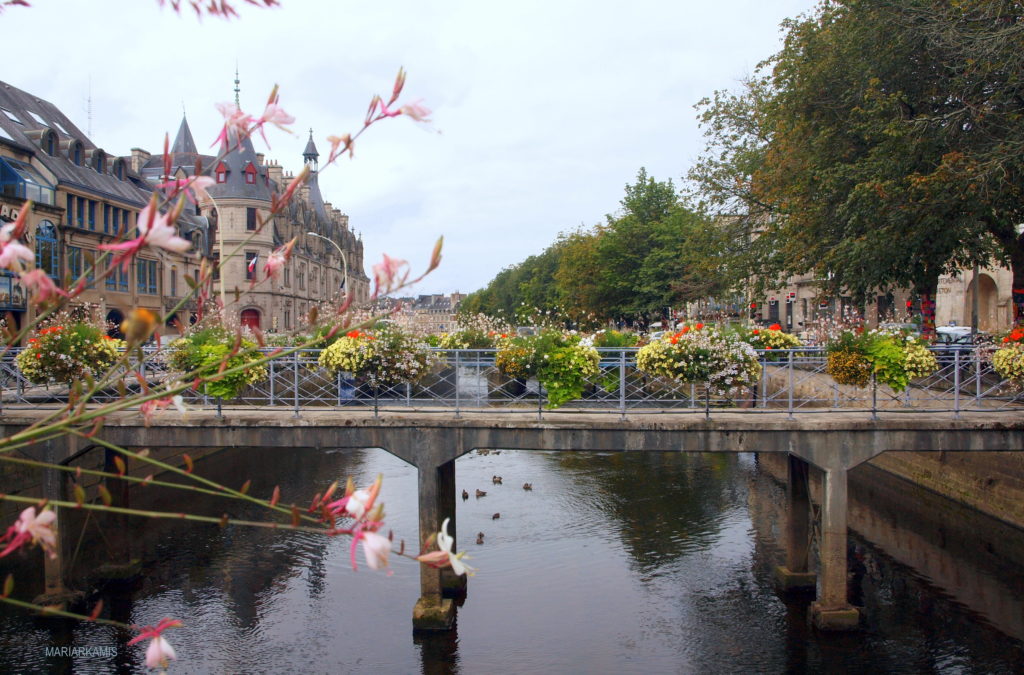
(25, 123)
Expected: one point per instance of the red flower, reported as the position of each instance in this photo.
(775, 326)
(755, 332)
(698, 326)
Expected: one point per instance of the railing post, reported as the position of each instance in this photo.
(272, 401)
(220, 413)
(759, 393)
(977, 376)
(408, 395)
(339, 388)
(622, 383)
(956, 384)
(789, 386)
(295, 380)
(874, 396)
(707, 401)
(458, 365)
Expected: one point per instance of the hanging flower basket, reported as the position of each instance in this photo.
(68, 352)
(699, 353)
(387, 358)
(211, 351)
(1008, 360)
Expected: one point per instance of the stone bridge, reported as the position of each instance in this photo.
(830, 442)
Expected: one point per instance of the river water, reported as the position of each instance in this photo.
(613, 563)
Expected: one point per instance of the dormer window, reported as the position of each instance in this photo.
(50, 142)
(99, 161)
(250, 174)
(76, 153)
(221, 173)
(119, 169)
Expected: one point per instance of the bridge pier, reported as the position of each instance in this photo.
(436, 502)
(833, 611)
(795, 575)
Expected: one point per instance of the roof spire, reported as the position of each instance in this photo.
(237, 90)
(310, 154)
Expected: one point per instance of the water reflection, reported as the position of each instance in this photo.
(625, 562)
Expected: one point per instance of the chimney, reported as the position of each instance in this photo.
(259, 159)
(139, 159)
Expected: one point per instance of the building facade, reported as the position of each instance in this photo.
(82, 197)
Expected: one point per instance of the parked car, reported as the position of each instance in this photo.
(951, 340)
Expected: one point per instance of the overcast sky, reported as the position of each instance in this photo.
(543, 111)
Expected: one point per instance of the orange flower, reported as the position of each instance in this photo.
(775, 326)
(755, 332)
(698, 326)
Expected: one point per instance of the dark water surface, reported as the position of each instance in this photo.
(613, 563)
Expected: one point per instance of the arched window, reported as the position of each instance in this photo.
(76, 153)
(119, 168)
(50, 142)
(99, 161)
(46, 248)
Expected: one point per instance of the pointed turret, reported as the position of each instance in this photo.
(310, 155)
(183, 142)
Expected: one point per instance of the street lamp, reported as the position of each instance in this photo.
(344, 259)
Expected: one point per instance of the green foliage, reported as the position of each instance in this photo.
(894, 358)
(614, 339)
(211, 351)
(559, 362)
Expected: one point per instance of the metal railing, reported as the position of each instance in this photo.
(466, 381)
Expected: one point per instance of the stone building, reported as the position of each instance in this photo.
(327, 257)
(83, 197)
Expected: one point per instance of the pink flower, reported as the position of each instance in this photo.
(151, 406)
(12, 252)
(385, 275)
(273, 114)
(236, 124)
(376, 548)
(42, 286)
(155, 229)
(356, 503)
(194, 187)
(277, 259)
(32, 528)
(159, 650)
(416, 111)
(444, 556)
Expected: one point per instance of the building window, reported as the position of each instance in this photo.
(287, 319)
(80, 214)
(74, 262)
(92, 215)
(49, 144)
(302, 278)
(46, 248)
(145, 277)
(288, 279)
(106, 218)
(119, 170)
(250, 265)
(174, 282)
(221, 173)
(100, 161)
(76, 153)
(250, 174)
(250, 219)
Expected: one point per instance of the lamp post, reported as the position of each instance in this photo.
(344, 259)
